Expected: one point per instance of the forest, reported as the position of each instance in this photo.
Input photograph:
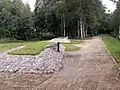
(57, 18)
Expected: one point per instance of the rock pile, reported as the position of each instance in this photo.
(48, 61)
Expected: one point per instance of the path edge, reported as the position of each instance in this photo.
(113, 59)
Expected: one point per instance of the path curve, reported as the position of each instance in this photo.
(86, 69)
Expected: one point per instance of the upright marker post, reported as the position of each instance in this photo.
(119, 34)
(58, 46)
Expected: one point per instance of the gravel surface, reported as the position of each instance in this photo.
(90, 68)
(47, 61)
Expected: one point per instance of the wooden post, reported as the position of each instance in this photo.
(78, 30)
(119, 34)
(64, 24)
(58, 46)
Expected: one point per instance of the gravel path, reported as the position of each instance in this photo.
(90, 68)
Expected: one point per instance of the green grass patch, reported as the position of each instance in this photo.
(69, 47)
(8, 46)
(74, 41)
(35, 48)
(113, 46)
(31, 48)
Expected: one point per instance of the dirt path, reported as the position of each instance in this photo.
(90, 68)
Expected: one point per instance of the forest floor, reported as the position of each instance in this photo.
(90, 68)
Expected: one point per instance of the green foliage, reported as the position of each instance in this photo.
(15, 20)
(56, 15)
(10, 40)
(51, 18)
(111, 23)
(113, 46)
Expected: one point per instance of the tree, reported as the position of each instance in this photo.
(115, 20)
(73, 17)
(15, 20)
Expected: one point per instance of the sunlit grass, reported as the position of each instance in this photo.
(69, 47)
(8, 46)
(113, 46)
(74, 41)
(32, 48)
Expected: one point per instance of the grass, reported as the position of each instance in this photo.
(35, 47)
(69, 47)
(113, 46)
(31, 48)
(8, 46)
(74, 41)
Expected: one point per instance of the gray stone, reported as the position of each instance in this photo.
(47, 61)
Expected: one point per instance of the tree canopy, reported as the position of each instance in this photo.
(111, 24)
(56, 18)
(69, 17)
(15, 20)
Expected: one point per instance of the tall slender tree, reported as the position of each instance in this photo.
(74, 17)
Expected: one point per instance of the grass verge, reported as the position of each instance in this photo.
(8, 46)
(31, 48)
(113, 46)
(69, 47)
(74, 41)
(34, 48)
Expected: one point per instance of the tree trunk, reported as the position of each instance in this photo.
(119, 34)
(78, 29)
(92, 32)
(61, 26)
(86, 32)
(64, 24)
(81, 29)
